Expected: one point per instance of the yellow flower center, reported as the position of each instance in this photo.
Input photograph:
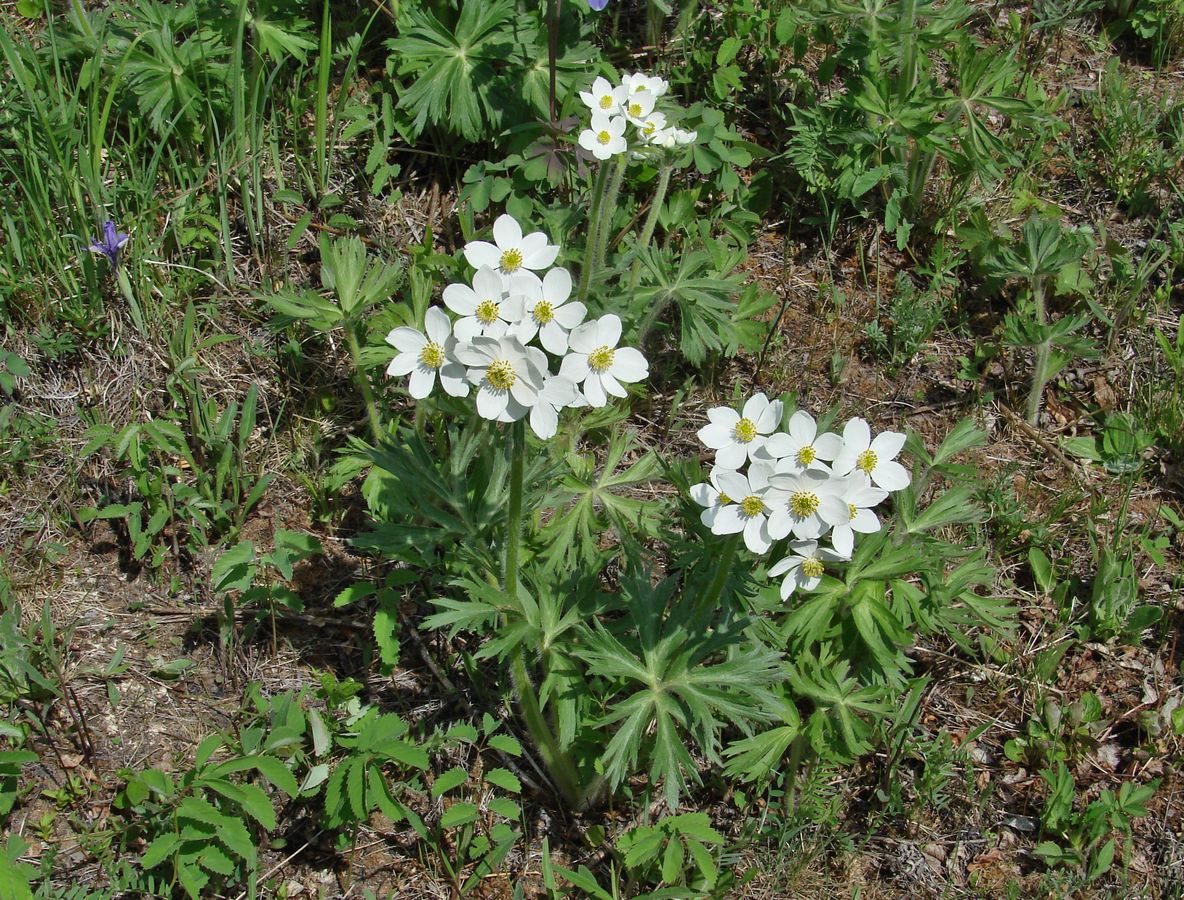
(604, 137)
(511, 261)
(724, 498)
(432, 355)
(803, 503)
(486, 312)
(544, 312)
(752, 505)
(745, 431)
(806, 456)
(635, 109)
(606, 101)
(601, 359)
(649, 128)
(813, 567)
(500, 375)
(866, 461)
(852, 511)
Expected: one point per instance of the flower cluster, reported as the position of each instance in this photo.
(632, 102)
(516, 298)
(799, 485)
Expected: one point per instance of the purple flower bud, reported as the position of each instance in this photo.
(598, 4)
(110, 243)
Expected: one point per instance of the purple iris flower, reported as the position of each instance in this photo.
(110, 243)
(598, 4)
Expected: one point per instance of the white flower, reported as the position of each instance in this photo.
(509, 376)
(711, 496)
(557, 393)
(803, 447)
(875, 458)
(597, 362)
(672, 137)
(748, 511)
(804, 567)
(603, 98)
(546, 312)
(651, 125)
(637, 106)
(736, 437)
(426, 356)
(512, 255)
(860, 497)
(685, 137)
(483, 306)
(639, 81)
(606, 137)
(805, 503)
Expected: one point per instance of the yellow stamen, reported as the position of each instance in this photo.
(635, 109)
(601, 359)
(803, 503)
(432, 355)
(724, 498)
(806, 456)
(606, 101)
(745, 431)
(752, 505)
(544, 312)
(511, 261)
(852, 511)
(866, 461)
(501, 375)
(604, 137)
(486, 312)
(813, 567)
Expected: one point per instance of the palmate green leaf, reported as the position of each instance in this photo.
(453, 67)
(837, 728)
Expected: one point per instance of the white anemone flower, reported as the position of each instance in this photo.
(651, 125)
(748, 511)
(710, 496)
(508, 375)
(805, 503)
(735, 436)
(804, 567)
(803, 447)
(640, 81)
(596, 362)
(874, 458)
(424, 356)
(512, 255)
(860, 497)
(546, 312)
(483, 308)
(603, 98)
(557, 393)
(685, 137)
(637, 106)
(606, 136)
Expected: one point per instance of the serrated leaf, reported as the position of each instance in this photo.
(504, 779)
(448, 780)
(458, 814)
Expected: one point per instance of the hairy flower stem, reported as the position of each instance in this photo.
(610, 203)
(559, 764)
(710, 600)
(1043, 353)
(355, 352)
(598, 188)
(651, 222)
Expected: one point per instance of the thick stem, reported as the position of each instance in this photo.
(610, 203)
(559, 765)
(1043, 353)
(723, 569)
(651, 222)
(552, 58)
(598, 187)
(355, 352)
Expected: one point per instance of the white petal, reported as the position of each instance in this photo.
(733, 484)
(779, 446)
(731, 456)
(574, 367)
(544, 420)
(461, 299)
(755, 405)
(522, 391)
(536, 252)
(629, 365)
(724, 415)
(467, 328)
(715, 436)
(421, 382)
(843, 539)
(557, 286)
(784, 565)
(704, 494)
(857, 435)
(594, 391)
(887, 444)
(832, 510)
(437, 324)
(482, 253)
(487, 285)
(756, 535)
(571, 314)
(891, 476)
(729, 520)
(490, 403)
(407, 340)
(402, 364)
(610, 330)
(865, 522)
(507, 232)
(478, 351)
(828, 445)
(612, 386)
(551, 336)
(585, 338)
(770, 418)
(453, 380)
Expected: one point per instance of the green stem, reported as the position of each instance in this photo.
(598, 187)
(723, 569)
(559, 764)
(1043, 353)
(651, 222)
(610, 203)
(355, 352)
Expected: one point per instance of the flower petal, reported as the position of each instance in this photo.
(857, 435)
(406, 340)
(482, 253)
(421, 382)
(574, 367)
(437, 324)
(585, 338)
(887, 444)
(594, 391)
(610, 330)
(715, 436)
(544, 420)
(828, 445)
(402, 364)
(731, 456)
(802, 427)
(729, 520)
(461, 299)
(557, 286)
(629, 365)
(891, 476)
(491, 403)
(507, 233)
